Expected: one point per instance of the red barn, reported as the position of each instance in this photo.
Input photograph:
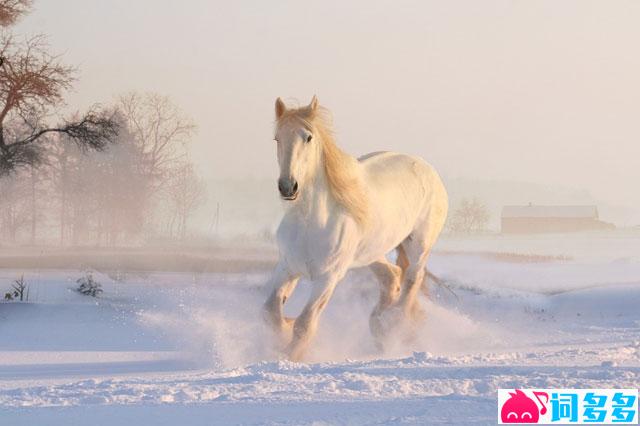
(540, 219)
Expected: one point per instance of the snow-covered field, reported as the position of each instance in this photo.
(189, 349)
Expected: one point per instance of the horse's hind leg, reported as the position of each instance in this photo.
(390, 278)
(417, 249)
(402, 261)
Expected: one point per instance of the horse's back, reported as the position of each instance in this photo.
(365, 157)
(406, 193)
(393, 167)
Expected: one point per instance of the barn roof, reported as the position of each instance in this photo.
(550, 211)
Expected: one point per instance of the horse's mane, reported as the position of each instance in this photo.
(341, 170)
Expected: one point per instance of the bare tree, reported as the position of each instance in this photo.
(14, 206)
(35, 180)
(141, 184)
(32, 83)
(99, 196)
(470, 216)
(117, 189)
(12, 10)
(185, 192)
(21, 196)
(62, 163)
(161, 132)
(19, 287)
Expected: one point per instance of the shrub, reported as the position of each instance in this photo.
(20, 290)
(469, 217)
(88, 286)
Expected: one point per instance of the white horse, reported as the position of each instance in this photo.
(343, 213)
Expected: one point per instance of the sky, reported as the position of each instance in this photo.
(523, 91)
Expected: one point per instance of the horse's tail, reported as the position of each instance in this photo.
(403, 262)
(439, 281)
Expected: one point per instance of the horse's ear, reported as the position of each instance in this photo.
(314, 103)
(280, 108)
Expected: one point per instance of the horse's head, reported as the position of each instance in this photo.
(298, 147)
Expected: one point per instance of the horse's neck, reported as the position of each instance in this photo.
(316, 203)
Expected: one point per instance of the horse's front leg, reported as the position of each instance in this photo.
(282, 284)
(306, 324)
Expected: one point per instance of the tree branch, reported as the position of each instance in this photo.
(95, 130)
(12, 10)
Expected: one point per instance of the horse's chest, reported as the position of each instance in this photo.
(312, 250)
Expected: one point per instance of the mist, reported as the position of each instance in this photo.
(492, 94)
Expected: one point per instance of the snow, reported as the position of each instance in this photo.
(169, 348)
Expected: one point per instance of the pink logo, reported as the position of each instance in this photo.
(519, 408)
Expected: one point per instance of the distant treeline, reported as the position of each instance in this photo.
(141, 186)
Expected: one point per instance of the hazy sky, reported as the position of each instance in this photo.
(539, 91)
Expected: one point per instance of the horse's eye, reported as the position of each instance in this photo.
(309, 138)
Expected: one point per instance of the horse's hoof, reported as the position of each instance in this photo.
(285, 332)
(281, 333)
(382, 322)
(295, 353)
(379, 345)
(417, 314)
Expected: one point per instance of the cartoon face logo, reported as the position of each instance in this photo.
(519, 408)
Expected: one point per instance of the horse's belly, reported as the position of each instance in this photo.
(392, 224)
(378, 244)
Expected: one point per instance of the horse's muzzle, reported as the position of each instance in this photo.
(288, 188)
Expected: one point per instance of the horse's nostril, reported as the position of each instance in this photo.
(287, 187)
